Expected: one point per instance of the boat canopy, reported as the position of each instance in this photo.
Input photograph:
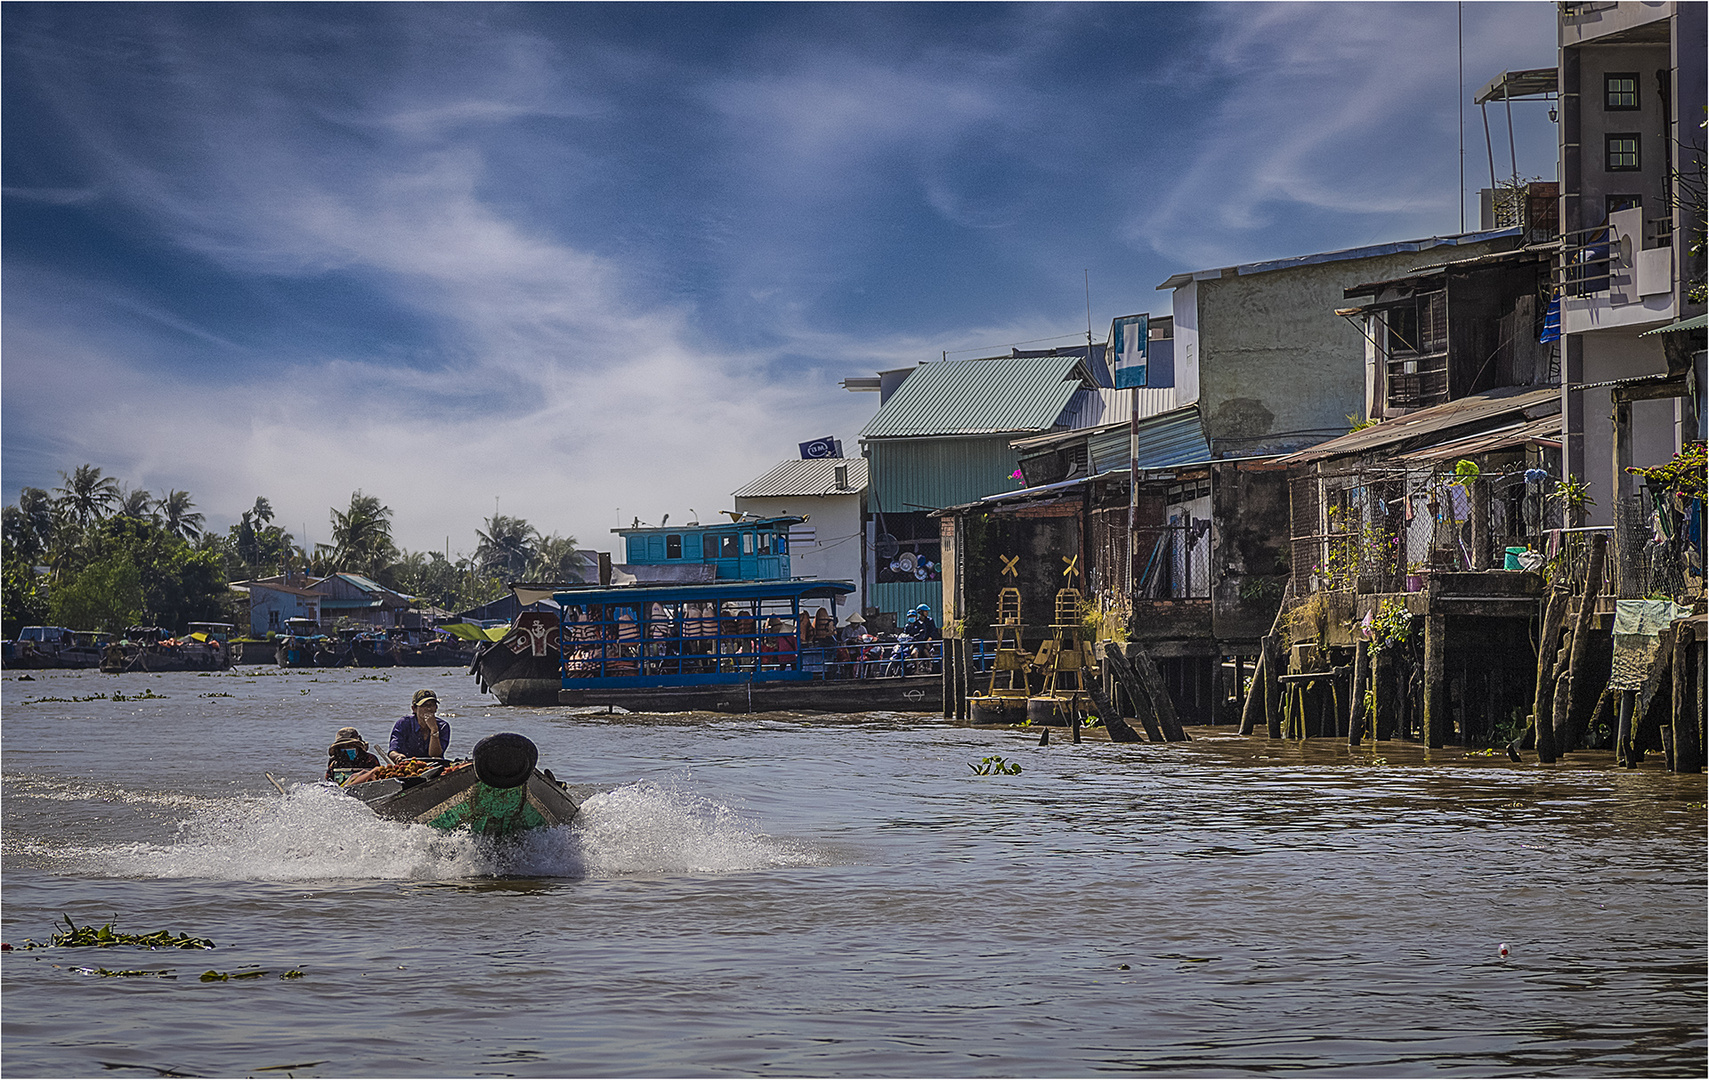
(686, 635)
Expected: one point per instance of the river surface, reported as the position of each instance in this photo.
(830, 896)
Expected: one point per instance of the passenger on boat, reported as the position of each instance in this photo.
(778, 649)
(421, 734)
(920, 626)
(348, 754)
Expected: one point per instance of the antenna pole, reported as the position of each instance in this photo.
(1459, 86)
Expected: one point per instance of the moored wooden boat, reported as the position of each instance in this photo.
(499, 792)
(731, 647)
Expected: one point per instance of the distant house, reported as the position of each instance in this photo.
(365, 602)
(941, 438)
(351, 598)
(829, 494)
(273, 600)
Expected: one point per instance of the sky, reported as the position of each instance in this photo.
(584, 264)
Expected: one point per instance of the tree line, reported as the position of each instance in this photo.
(93, 554)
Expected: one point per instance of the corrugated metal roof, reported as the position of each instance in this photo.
(1489, 407)
(804, 476)
(979, 397)
(1546, 430)
(1103, 405)
(1337, 256)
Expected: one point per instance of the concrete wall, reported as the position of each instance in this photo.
(1614, 355)
(1278, 370)
(268, 610)
(835, 553)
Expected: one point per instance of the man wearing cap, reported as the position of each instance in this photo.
(421, 734)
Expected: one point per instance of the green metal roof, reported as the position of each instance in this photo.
(979, 397)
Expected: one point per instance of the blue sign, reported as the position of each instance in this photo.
(1125, 353)
(822, 448)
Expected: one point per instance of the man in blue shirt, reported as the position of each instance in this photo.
(421, 734)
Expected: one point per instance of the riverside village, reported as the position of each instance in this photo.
(1445, 490)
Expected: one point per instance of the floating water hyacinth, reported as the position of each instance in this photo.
(105, 937)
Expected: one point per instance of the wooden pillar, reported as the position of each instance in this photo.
(1356, 699)
(1253, 706)
(1542, 703)
(1478, 500)
(1569, 731)
(1435, 682)
(1623, 749)
(1216, 702)
(1272, 667)
(1687, 753)
(1383, 686)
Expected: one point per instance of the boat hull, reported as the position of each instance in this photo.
(461, 800)
(119, 659)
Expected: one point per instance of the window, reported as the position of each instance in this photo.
(1622, 152)
(765, 543)
(1620, 91)
(273, 619)
(747, 543)
(1617, 203)
(673, 547)
(708, 546)
(728, 547)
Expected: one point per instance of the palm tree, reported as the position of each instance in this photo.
(30, 525)
(362, 535)
(176, 517)
(85, 494)
(135, 504)
(555, 559)
(506, 547)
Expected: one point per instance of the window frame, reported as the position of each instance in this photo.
(1609, 152)
(1608, 91)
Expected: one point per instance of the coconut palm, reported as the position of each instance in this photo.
(362, 535)
(30, 525)
(555, 559)
(175, 515)
(86, 494)
(137, 503)
(506, 547)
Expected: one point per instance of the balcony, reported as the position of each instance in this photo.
(1618, 274)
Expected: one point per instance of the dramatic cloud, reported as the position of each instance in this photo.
(605, 262)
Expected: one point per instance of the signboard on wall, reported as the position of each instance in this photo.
(822, 448)
(1126, 351)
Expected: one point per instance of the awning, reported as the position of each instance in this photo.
(1696, 322)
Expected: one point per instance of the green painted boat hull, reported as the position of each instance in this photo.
(460, 800)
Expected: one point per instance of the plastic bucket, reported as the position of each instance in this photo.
(1512, 561)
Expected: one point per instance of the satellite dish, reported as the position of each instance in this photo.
(886, 546)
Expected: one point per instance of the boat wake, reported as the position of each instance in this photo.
(315, 833)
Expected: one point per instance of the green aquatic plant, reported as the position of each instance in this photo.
(105, 937)
(146, 695)
(995, 766)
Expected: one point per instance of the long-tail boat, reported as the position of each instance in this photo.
(498, 791)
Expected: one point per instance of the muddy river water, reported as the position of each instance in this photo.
(831, 895)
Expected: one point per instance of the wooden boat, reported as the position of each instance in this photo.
(735, 647)
(44, 647)
(498, 792)
(150, 648)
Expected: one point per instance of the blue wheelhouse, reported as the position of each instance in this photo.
(691, 635)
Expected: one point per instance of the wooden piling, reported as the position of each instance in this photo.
(1542, 703)
(1569, 730)
(1254, 703)
(1687, 751)
(1271, 645)
(1623, 749)
(1356, 700)
(1436, 722)
(1383, 688)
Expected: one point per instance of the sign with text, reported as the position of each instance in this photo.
(1125, 353)
(822, 448)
